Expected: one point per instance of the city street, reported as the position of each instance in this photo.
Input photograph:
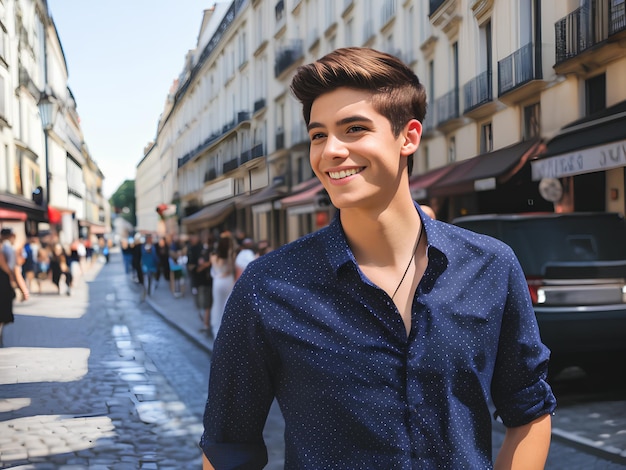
(101, 380)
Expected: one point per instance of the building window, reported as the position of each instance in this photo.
(532, 123)
(595, 94)
(486, 138)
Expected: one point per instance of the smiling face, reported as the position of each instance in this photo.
(354, 152)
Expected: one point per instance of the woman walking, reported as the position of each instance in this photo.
(223, 274)
(60, 267)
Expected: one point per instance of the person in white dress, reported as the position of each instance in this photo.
(223, 273)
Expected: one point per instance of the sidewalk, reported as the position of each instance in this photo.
(181, 313)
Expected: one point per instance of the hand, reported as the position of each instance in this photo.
(25, 295)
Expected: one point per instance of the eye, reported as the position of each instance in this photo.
(317, 135)
(355, 128)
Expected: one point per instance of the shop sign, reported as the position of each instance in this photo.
(602, 157)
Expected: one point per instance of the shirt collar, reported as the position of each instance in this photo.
(339, 253)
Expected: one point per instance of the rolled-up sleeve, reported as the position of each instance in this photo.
(240, 388)
(519, 389)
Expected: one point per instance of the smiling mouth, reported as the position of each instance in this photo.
(337, 175)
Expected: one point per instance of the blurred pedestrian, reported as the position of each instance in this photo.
(429, 211)
(127, 245)
(244, 257)
(149, 264)
(10, 278)
(204, 285)
(223, 274)
(263, 247)
(30, 267)
(194, 251)
(163, 253)
(59, 267)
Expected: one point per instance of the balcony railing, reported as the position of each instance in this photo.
(430, 121)
(448, 106)
(230, 165)
(287, 56)
(587, 26)
(245, 156)
(617, 15)
(478, 90)
(259, 104)
(257, 151)
(517, 69)
(210, 175)
(243, 116)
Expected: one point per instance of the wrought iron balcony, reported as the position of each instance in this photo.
(448, 106)
(287, 56)
(587, 26)
(259, 104)
(231, 165)
(478, 91)
(518, 68)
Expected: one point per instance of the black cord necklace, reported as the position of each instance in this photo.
(417, 243)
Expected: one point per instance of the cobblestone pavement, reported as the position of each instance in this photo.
(77, 391)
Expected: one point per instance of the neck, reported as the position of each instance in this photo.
(381, 238)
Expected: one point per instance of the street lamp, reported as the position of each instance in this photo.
(48, 109)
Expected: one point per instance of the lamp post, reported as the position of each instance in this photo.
(48, 108)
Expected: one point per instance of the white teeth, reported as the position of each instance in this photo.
(337, 175)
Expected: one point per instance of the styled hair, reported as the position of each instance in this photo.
(397, 93)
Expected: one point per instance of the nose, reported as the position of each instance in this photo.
(334, 148)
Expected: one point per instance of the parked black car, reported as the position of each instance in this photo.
(575, 266)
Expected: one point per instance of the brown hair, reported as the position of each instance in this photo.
(397, 93)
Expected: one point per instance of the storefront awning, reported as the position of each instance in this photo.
(267, 194)
(309, 196)
(594, 143)
(17, 203)
(211, 215)
(7, 214)
(419, 184)
(484, 172)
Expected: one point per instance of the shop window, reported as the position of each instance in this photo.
(595, 94)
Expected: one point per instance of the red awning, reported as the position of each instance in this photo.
(303, 197)
(6, 214)
(54, 215)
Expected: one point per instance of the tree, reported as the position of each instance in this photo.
(123, 202)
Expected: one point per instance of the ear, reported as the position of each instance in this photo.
(412, 136)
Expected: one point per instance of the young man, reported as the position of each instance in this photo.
(384, 336)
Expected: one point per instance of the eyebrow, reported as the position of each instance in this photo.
(341, 122)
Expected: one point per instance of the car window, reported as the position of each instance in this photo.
(546, 241)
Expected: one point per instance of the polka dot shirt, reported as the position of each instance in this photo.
(304, 325)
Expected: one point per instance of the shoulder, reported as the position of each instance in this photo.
(458, 243)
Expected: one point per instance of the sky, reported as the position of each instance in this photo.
(122, 57)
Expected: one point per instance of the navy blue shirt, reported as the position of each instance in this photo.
(306, 326)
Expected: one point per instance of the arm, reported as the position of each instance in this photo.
(19, 279)
(241, 388)
(526, 447)
(5, 266)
